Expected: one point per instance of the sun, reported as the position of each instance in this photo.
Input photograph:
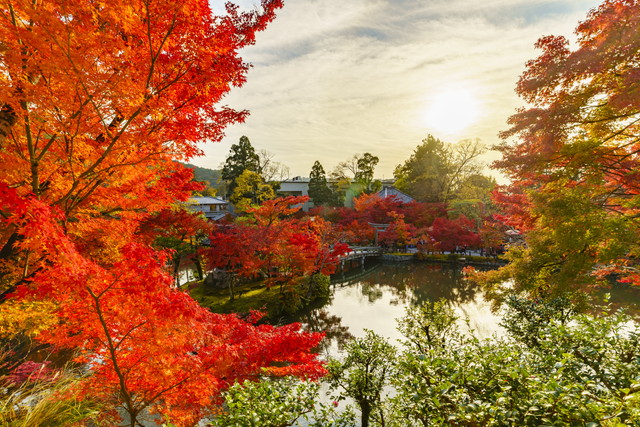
(451, 111)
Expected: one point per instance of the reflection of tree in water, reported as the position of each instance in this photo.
(621, 296)
(371, 291)
(408, 283)
(414, 283)
(319, 320)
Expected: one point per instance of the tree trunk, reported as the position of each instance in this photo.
(197, 262)
(365, 408)
(311, 287)
(231, 283)
(176, 270)
(7, 120)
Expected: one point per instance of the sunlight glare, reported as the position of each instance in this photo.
(451, 111)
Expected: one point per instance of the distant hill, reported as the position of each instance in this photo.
(213, 176)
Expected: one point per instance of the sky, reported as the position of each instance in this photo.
(334, 78)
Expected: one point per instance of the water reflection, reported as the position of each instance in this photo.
(620, 296)
(336, 334)
(378, 297)
(375, 296)
(414, 283)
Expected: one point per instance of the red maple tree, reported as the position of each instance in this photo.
(274, 244)
(98, 100)
(452, 234)
(573, 156)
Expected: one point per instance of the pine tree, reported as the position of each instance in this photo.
(242, 156)
(319, 191)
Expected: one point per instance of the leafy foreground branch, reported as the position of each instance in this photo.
(554, 367)
(279, 403)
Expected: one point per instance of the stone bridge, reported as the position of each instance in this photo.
(359, 253)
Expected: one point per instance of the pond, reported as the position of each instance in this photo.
(375, 297)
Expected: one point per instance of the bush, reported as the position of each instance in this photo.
(319, 287)
(556, 367)
(278, 402)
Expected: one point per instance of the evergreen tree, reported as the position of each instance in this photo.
(319, 191)
(242, 156)
(364, 174)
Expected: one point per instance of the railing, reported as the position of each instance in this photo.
(361, 252)
(342, 279)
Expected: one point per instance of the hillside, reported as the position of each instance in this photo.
(213, 176)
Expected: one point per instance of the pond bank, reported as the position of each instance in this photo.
(274, 301)
(455, 259)
(270, 300)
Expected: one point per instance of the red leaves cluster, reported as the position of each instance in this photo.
(590, 92)
(455, 233)
(424, 224)
(98, 100)
(31, 372)
(272, 243)
(153, 346)
(144, 339)
(579, 144)
(176, 223)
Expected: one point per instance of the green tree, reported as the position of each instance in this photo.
(319, 190)
(556, 367)
(436, 170)
(473, 198)
(423, 175)
(363, 374)
(250, 190)
(364, 174)
(242, 156)
(431, 326)
(278, 403)
(573, 159)
(209, 191)
(359, 168)
(476, 187)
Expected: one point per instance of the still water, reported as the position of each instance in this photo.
(374, 298)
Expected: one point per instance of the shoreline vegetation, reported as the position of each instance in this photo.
(256, 295)
(450, 258)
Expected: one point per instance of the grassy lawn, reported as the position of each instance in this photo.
(249, 296)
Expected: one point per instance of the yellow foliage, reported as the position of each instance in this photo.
(26, 317)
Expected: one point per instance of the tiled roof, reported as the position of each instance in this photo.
(208, 201)
(391, 191)
(215, 216)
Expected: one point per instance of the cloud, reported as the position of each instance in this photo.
(333, 78)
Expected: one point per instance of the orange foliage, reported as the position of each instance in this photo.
(274, 244)
(573, 156)
(98, 100)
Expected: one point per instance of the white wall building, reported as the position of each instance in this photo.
(214, 208)
(297, 186)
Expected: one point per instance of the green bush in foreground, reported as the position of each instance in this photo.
(278, 403)
(363, 373)
(555, 367)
